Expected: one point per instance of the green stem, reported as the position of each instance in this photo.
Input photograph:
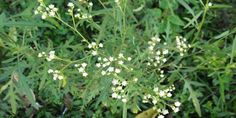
(74, 29)
(206, 8)
(124, 111)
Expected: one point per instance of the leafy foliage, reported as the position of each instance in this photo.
(117, 58)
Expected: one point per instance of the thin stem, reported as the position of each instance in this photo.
(124, 115)
(206, 8)
(74, 29)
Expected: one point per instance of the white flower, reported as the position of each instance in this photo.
(210, 4)
(90, 4)
(103, 72)
(129, 58)
(124, 100)
(120, 62)
(50, 71)
(114, 95)
(81, 69)
(115, 82)
(160, 116)
(156, 89)
(177, 104)
(51, 6)
(111, 58)
(90, 46)
(154, 101)
(70, 4)
(60, 77)
(105, 59)
(169, 94)
(135, 79)
(121, 55)
(117, 70)
(40, 55)
(94, 52)
(98, 65)
(44, 15)
(124, 83)
(100, 45)
(85, 74)
(176, 110)
(165, 52)
(93, 44)
(110, 69)
(161, 93)
(165, 111)
(84, 64)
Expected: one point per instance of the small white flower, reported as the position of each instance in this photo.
(85, 74)
(51, 6)
(115, 82)
(105, 59)
(124, 83)
(98, 65)
(103, 72)
(124, 100)
(100, 45)
(177, 104)
(160, 116)
(121, 55)
(84, 64)
(176, 110)
(44, 15)
(154, 101)
(90, 4)
(40, 55)
(161, 93)
(110, 69)
(70, 4)
(114, 95)
(156, 89)
(210, 4)
(94, 52)
(129, 58)
(90, 46)
(165, 52)
(169, 94)
(111, 58)
(50, 71)
(135, 79)
(117, 70)
(165, 112)
(120, 62)
(93, 44)
(60, 77)
(81, 69)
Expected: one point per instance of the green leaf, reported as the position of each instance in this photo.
(222, 35)
(233, 50)
(193, 96)
(175, 20)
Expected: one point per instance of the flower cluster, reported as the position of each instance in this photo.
(107, 64)
(50, 56)
(156, 98)
(81, 68)
(56, 74)
(158, 56)
(182, 46)
(46, 11)
(78, 12)
(118, 90)
(95, 46)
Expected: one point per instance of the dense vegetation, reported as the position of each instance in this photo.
(118, 58)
